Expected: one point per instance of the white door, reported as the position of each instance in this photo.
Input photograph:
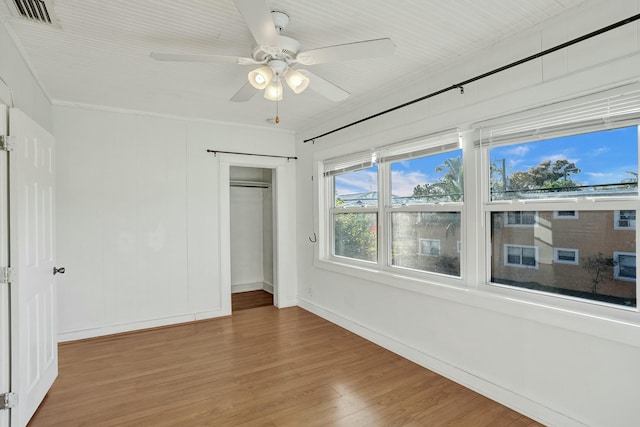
(34, 350)
(5, 354)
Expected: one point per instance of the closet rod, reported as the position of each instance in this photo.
(460, 86)
(215, 152)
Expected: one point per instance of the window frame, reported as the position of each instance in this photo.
(441, 142)
(557, 260)
(520, 224)
(576, 214)
(420, 240)
(616, 268)
(617, 219)
(488, 206)
(536, 255)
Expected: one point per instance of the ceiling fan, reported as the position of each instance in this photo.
(279, 56)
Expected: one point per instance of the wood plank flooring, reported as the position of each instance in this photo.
(251, 299)
(260, 367)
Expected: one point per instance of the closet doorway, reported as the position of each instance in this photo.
(252, 234)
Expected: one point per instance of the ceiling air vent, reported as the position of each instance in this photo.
(34, 10)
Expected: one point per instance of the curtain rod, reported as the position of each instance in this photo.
(215, 152)
(460, 86)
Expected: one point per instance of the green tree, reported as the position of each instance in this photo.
(599, 268)
(356, 236)
(547, 174)
(449, 187)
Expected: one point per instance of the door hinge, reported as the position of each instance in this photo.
(6, 274)
(7, 142)
(8, 400)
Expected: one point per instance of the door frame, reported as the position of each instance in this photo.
(283, 193)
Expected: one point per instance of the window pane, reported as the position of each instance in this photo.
(356, 235)
(426, 241)
(591, 164)
(359, 188)
(585, 258)
(429, 179)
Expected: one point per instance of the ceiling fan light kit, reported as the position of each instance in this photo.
(260, 77)
(276, 56)
(273, 91)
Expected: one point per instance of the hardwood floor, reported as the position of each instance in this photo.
(260, 367)
(251, 299)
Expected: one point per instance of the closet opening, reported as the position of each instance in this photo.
(252, 236)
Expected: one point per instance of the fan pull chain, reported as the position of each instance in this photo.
(277, 111)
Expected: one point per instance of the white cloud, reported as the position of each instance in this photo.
(357, 182)
(519, 151)
(404, 182)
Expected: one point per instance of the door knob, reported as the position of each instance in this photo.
(58, 270)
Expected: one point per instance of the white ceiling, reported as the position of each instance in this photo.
(100, 53)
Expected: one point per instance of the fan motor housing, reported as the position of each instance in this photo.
(289, 48)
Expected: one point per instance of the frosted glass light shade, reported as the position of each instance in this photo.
(273, 91)
(260, 77)
(297, 81)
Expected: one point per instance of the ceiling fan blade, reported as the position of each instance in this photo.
(257, 16)
(342, 52)
(222, 59)
(325, 88)
(245, 93)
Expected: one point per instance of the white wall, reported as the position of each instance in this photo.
(20, 86)
(562, 368)
(138, 210)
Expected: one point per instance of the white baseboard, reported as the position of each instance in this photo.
(267, 287)
(246, 287)
(136, 326)
(521, 404)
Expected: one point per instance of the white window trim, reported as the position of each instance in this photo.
(616, 220)
(616, 268)
(536, 256)
(556, 214)
(557, 260)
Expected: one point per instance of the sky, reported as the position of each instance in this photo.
(603, 158)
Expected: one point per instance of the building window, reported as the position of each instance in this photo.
(565, 215)
(520, 219)
(625, 266)
(521, 256)
(429, 247)
(624, 220)
(565, 256)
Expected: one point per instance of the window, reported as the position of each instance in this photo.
(403, 213)
(521, 256)
(565, 214)
(625, 220)
(421, 188)
(430, 247)
(625, 266)
(521, 218)
(565, 256)
(550, 255)
(355, 213)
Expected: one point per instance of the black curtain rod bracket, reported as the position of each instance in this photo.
(460, 86)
